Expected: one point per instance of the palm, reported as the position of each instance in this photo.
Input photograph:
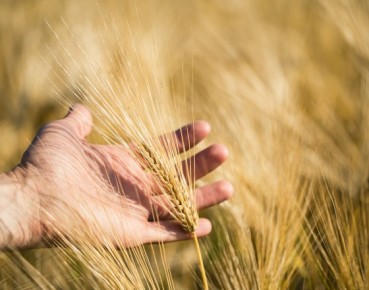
(107, 188)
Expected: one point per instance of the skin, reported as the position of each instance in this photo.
(65, 185)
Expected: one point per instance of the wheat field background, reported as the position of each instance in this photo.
(284, 85)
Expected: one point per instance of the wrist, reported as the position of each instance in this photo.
(19, 208)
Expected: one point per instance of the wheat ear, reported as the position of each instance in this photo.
(178, 195)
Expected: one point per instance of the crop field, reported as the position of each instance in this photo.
(285, 87)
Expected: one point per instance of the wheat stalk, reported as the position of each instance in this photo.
(179, 197)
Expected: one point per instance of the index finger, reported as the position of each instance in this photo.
(186, 137)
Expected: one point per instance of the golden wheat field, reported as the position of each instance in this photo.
(284, 85)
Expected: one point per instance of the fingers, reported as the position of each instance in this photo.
(186, 137)
(213, 194)
(78, 120)
(205, 161)
(170, 231)
(200, 164)
(206, 196)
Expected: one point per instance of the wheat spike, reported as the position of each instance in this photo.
(179, 197)
(180, 201)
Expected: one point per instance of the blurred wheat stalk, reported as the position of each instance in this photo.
(284, 85)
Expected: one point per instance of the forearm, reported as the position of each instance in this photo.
(19, 210)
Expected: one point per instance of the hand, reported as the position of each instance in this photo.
(104, 189)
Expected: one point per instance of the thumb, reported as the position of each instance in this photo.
(78, 120)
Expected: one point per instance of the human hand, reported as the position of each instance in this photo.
(76, 186)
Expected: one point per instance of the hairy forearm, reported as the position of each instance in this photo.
(19, 210)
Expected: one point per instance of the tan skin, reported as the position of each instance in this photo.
(62, 175)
